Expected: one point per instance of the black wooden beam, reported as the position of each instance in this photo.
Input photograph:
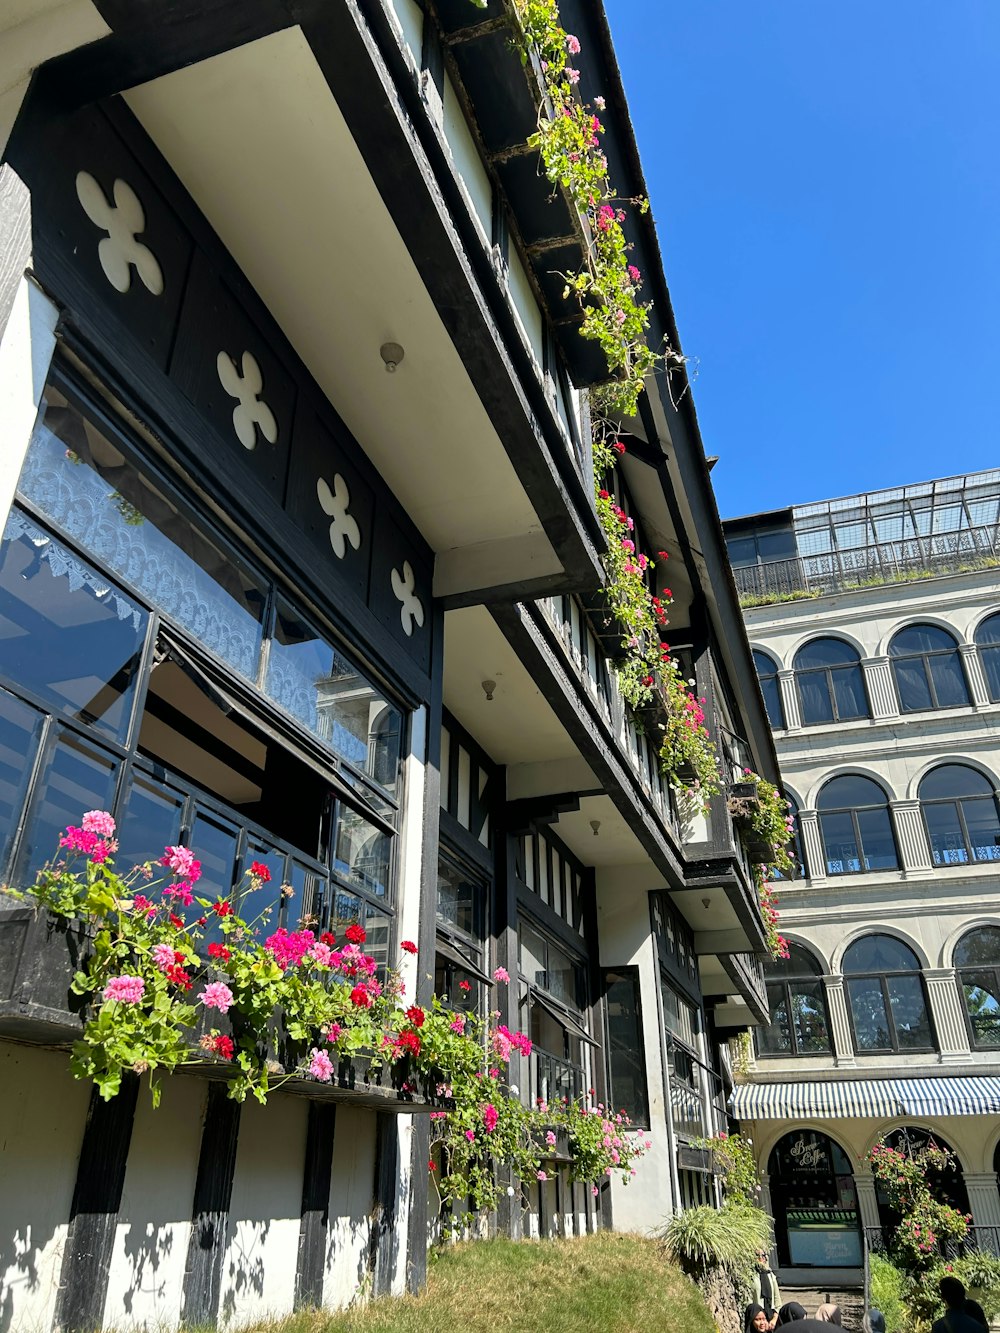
(210, 1213)
(315, 1224)
(97, 1196)
(384, 1237)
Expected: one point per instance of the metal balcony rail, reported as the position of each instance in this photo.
(877, 563)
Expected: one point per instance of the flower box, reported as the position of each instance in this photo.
(760, 852)
(39, 955)
(559, 1152)
(744, 791)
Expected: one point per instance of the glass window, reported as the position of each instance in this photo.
(795, 845)
(626, 1056)
(679, 1017)
(152, 820)
(988, 640)
(887, 1001)
(977, 960)
(312, 679)
(361, 852)
(77, 776)
(767, 674)
(461, 921)
(961, 815)
(830, 683)
(461, 900)
(20, 729)
(799, 1023)
(78, 478)
(855, 827)
(66, 633)
(928, 669)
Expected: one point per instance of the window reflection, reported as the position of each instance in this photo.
(77, 776)
(20, 728)
(152, 821)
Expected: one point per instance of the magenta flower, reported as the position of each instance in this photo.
(470, 1134)
(181, 861)
(180, 892)
(320, 1065)
(125, 989)
(163, 955)
(490, 1117)
(99, 822)
(550, 1139)
(501, 974)
(217, 995)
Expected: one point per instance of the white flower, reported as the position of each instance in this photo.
(510, 1191)
(513, 1089)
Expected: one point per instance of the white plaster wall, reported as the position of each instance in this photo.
(467, 162)
(626, 940)
(26, 348)
(258, 1272)
(42, 1115)
(525, 306)
(410, 18)
(352, 1191)
(145, 1283)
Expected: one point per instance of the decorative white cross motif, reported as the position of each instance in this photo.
(119, 251)
(412, 608)
(250, 410)
(343, 526)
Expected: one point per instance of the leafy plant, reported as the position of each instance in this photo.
(925, 1223)
(728, 1238)
(887, 1292)
(736, 1164)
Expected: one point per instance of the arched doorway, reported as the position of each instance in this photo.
(946, 1186)
(814, 1202)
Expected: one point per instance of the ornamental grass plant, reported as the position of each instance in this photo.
(609, 1282)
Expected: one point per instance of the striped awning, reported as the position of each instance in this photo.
(870, 1099)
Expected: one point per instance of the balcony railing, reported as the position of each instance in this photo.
(869, 566)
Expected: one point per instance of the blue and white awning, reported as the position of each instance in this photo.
(870, 1099)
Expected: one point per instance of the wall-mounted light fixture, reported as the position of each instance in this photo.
(391, 354)
(595, 824)
(488, 687)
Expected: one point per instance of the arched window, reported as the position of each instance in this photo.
(795, 846)
(767, 674)
(830, 682)
(977, 960)
(960, 814)
(947, 1185)
(988, 639)
(814, 1202)
(799, 1022)
(927, 669)
(855, 827)
(885, 993)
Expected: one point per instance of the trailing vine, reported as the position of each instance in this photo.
(766, 817)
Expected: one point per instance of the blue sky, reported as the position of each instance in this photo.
(826, 184)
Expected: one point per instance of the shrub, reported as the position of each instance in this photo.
(978, 1273)
(728, 1238)
(887, 1292)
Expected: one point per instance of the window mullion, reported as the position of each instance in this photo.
(890, 1016)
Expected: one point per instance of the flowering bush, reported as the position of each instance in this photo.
(769, 822)
(174, 978)
(735, 1163)
(924, 1222)
(777, 945)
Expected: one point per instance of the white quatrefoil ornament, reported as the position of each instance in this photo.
(251, 410)
(124, 220)
(412, 608)
(335, 504)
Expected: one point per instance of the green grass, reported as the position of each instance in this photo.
(605, 1283)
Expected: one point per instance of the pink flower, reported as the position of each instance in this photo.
(163, 955)
(634, 274)
(572, 44)
(490, 1117)
(125, 989)
(334, 1033)
(322, 954)
(594, 1191)
(180, 892)
(470, 1134)
(142, 904)
(600, 103)
(501, 974)
(181, 861)
(288, 948)
(217, 995)
(572, 74)
(550, 1139)
(99, 822)
(320, 1065)
(457, 1025)
(542, 1175)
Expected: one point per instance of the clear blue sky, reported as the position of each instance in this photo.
(825, 179)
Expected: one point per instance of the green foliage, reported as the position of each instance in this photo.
(887, 1292)
(727, 1238)
(925, 1222)
(736, 1164)
(909, 1299)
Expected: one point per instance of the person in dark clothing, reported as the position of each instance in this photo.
(790, 1312)
(955, 1319)
(874, 1321)
(755, 1320)
(765, 1288)
(976, 1311)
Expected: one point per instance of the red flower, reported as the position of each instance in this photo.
(328, 937)
(664, 555)
(223, 908)
(258, 870)
(218, 951)
(176, 920)
(431, 1166)
(408, 946)
(203, 921)
(464, 985)
(360, 997)
(224, 1047)
(355, 933)
(176, 974)
(409, 1041)
(416, 1015)
(605, 495)
(618, 447)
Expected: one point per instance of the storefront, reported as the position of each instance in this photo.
(814, 1202)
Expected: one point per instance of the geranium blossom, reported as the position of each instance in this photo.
(259, 871)
(125, 989)
(501, 974)
(355, 933)
(99, 822)
(182, 862)
(218, 1044)
(361, 998)
(217, 995)
(408, 946)
(320, 1065)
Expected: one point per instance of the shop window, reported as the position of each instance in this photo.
(462, 899)
(855, 827)
(886, 996)
(927, 668)
(770, 688)
(988, 641)
(800, 1023)
(977, 961)
(960, 811)
(814, 1202)
(626, 1052)
(830, 683)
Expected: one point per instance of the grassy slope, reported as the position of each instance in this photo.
(604, 1283)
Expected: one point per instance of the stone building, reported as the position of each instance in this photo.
(299, 564)
(875, 626)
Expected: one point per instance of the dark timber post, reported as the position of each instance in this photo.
(210, 1213)
(97, 1196)
(314, 1227)
(383, 1239)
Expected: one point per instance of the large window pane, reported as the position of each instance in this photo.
(949, 680)
(814, 693)
(77, 777)
(909, 1013)
(152, 821)
(840, 844)
(911, 682)
(944, 829)
(20, 728)
(849, 691)
(877, 840)
(66, 633)
(775, 1039)
(263, 905)
(678, 1016)
(85, 484)
(772, 702)
(531, 956)
(871, 1023)
(564, 977)
(361, 853)
(625, 1046)
(982, 1003)
(984, 828)
(316, 684)
(214, 844)
(809, 1017)
(460, 900)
